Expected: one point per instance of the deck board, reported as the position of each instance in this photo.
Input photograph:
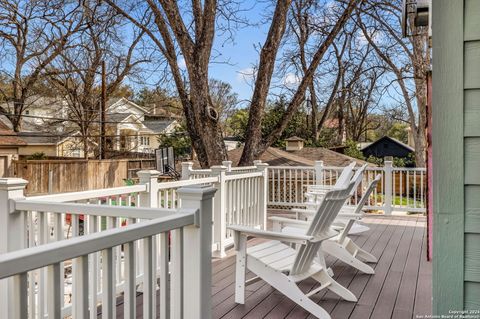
(400, 288)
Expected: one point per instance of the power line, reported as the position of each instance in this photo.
(74, 135)
(60, 119)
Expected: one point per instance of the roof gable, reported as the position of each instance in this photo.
(389, 139)
(122, 105)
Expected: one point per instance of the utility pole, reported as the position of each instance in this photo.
(103, 103)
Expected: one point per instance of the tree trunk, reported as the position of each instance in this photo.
(313, 101)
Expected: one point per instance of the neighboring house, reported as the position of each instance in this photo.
(40, 111)
(387, 146)
(135, 129)
(9, 146)
(129, 128)
(231, 143)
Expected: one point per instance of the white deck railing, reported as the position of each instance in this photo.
(46, 225)
(113, 242)
(400, 189)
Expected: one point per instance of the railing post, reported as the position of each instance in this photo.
(263, 195)
(318, 166)
(13, 234)
(197, 253)
(388, 170)
(219, 211)
(150, 197)
(228, 165)
(186, 169)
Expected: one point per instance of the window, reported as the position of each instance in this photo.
(144, 140)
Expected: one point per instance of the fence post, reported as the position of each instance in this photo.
(228, 165)
(186, 169)
(197, 252)
(150, 197)
(318, 166)
(219, 211)
(13, 234)
(263, 195)
(388, 170)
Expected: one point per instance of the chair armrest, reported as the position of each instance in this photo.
(303, 211)
(349, 215)
(292, 238)
(289, 221)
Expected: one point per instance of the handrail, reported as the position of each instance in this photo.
(187, 182)
(65, 197)
(246, 175)
(28, 259)
(91, 209)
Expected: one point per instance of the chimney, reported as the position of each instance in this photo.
(294, 143)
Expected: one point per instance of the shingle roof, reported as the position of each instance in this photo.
(39, 138)
(329, 158)
(158, 126)
(9, 137)
(294, 138)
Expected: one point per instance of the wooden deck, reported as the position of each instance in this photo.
(400, 287)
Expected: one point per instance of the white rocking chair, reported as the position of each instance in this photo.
(282, 266)
(341, 246)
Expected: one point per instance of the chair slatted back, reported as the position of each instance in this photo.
(358, 178)
(342, 180)
(345, 177)
(323, 219)
(367, 193)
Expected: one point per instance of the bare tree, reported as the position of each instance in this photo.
(194, 33)
(76, 72)
(223, 99)
(408, 60)
(32, 35)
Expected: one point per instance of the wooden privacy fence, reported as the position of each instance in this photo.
(56, 176)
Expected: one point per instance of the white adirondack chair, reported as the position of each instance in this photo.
(282, 266)
(341, 246)
(345, 213)
(315, 193)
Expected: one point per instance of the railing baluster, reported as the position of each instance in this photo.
(129, 296)
(54, 291)
(31, 276)
(414, 189)
(108, 285)
(80, 288)
(164, 278)
(20, 297)
(148, 275)
(93, 274)
(176, 273)
(41, 286)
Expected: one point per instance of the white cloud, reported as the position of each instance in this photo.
(291, 79)
(246, 75)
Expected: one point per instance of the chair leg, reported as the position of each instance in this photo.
(341, 252)
(323, 278)
(240, 269)
(361, 254)
(288, 287)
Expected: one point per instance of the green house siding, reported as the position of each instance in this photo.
(456, 141)
(472, 153)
